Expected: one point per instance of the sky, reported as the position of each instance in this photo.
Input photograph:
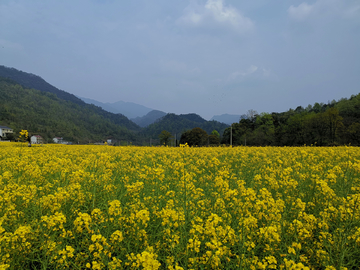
(208, 57)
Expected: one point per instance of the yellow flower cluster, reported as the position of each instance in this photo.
(96, 207)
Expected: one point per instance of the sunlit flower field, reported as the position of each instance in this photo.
(104, 207)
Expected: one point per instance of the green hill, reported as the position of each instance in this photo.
(180, 123)
(335, 123)
(28, 80)
(48, 115)
(31, 81)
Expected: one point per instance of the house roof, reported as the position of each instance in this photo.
(37, 136)
(5, 127)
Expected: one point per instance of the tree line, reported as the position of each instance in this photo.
(335, 123)
(194, 137)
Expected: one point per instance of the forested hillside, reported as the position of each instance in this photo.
(48, 115)
(335, 123)
(31, 81)
(180, 123)
(28, 80)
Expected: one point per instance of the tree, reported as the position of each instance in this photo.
(214, 140)
(196, 136)
(353, 133)
(264, 134)
(251, 114)
(165, 137)
(334, 122)
(238, 132)
(216, 133)
(10, 136)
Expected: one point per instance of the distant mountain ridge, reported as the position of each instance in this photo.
(129, 109)
(149, 118)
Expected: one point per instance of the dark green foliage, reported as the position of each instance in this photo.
(28, 80)
(195, 137)
(165, 137)
(215, 133)
(335, 123)
(214, 140)
(177, 124)
(193, 117)
(31, 81)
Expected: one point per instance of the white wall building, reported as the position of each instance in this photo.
(5, 130)
(58, 140)
(36, 139)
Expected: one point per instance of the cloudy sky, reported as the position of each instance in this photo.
(200, 56)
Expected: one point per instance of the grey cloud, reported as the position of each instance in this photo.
(324, 8)
(300, 12)
(250, 70)
(208, 57)
(215, 13)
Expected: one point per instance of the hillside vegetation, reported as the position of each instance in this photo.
(28, 80)
(181, 123)
(335, 123)
(48, 115)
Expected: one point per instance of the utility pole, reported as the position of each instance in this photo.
(231, 136)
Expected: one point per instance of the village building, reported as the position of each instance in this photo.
(58, 140)
(36, 139)
(4, 131)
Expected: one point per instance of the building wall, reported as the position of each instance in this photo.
(36, 140)
(3, 131)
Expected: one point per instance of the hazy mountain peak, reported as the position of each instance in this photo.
(129, 109)
(149, 118)
(228, 118)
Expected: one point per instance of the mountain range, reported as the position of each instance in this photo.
(144, 116)
(28, 102)
(129, 109)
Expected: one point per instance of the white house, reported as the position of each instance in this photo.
(58, 140)
(36, 139)
(5, 130)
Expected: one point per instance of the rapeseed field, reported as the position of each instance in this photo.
(103, 207)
